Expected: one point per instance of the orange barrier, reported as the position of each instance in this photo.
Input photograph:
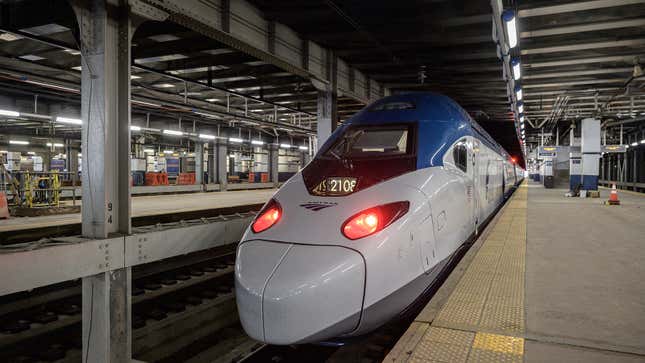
(264, 177)
(162, 178)
(613, 196)
(186, 179)
(251, 177)
(152, 179)
(4, 208)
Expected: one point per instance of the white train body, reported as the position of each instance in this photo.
(304, 280)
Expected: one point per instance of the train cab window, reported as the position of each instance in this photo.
(460, 156)
(373, 141)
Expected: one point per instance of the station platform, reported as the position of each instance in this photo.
(551, 279)
(144, 206)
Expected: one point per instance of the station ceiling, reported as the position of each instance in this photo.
(578, 58)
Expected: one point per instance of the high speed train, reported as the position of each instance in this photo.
(353, 239)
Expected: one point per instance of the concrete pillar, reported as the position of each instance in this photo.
(199, 163)
(222, 159)
(212, 163)
(273, 163)
(328, 101)
(327, 115)
(105, 37)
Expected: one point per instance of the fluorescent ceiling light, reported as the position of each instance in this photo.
(517, 72)
(260, 142)
(522, 125)
(643, 141)
(73, 51)
(173, 132)
(207, 137)
(520, 108)
(168, 151)
(132, 76)
(55, 144)
(522, 119)
(9, 113)
(19, 142)
(31, 153)
(285, 146)
(303, 148)
(67, 120)
(235, 139)
(164, 85)
(634, 144)
(135, 128)
(511, 29)
(149, 151)
(518, 93)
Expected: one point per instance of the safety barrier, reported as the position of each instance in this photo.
(156, 179)
(186, 179)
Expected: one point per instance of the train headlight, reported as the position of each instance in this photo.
(268, 216)
(372, 220)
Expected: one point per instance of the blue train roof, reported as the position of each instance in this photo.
(441, 122)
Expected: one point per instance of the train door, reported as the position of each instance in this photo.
(474, 172)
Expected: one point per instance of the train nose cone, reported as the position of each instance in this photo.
(312, 293)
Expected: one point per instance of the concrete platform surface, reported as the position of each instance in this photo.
(150, 206)
(551, 279)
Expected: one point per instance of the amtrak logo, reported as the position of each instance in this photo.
(316, 206)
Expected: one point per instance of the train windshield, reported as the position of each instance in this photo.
(372, 142)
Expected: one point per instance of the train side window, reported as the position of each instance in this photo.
(460, 155)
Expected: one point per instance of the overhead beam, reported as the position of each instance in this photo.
(572, 7)
(590, 27)
(585, 46)
(568, 74)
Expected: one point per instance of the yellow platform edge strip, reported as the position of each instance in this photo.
(483, 319)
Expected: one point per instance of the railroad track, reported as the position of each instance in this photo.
(174, 302)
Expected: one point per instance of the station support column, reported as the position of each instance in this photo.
(274, 158)
(222, 160)
(199, 163)
(105, 38)
(327, 111)
(212, 163)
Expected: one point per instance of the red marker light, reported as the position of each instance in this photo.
(268, 216)
(372, 220)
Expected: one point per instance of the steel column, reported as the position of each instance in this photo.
(222, 160)
(199, 163)
(212, 163)
(105, 36)
(274, 151)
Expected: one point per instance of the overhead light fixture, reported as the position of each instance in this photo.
(31, 153)
(517, 72)
(9, 113)
(168, 151)
(508, 16)
(235, 139)
(132, 76)
(135, 128)
(634, 144)
(522, 126)
(207, 137)
(522, 119)
(643, 141)
(285, 146)
(173, 132)
(19, 142)
(305, 148)
(257, 142)
(68, 120)
(518, 92)
(520, 107)
(55, 144)
(149, 151)
(164, 85)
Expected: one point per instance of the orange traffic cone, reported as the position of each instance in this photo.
(4, 209)
(613, 196)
